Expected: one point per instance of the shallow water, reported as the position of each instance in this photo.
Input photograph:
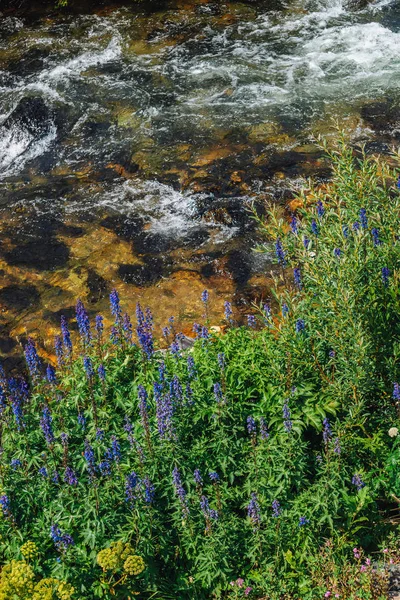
(146, 136)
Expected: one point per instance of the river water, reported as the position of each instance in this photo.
(132, 143)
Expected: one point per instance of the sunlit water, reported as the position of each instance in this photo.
(137, 105)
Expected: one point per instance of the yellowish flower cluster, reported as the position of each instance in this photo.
(29, 551)
(17, 581)
(134, 565)
(120, 556)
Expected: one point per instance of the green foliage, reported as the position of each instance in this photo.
(293, 415)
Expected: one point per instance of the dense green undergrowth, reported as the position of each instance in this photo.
(263, 462)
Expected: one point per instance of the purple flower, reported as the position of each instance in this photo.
(263, 429)
(197, 477)
(251, 321)
(326, 432)
(337, 449)
(300, 325)
(303, 521)
(218, 392)
(55, 477)
(101, 372)
(285, 309)
(18, 395)
(115, 306)
(221, 361)
(32, 358)
(293, 225)
(306, 243)
(58, 346)
(62, 541)
(208, 512)
(66, 336)
(288, 424)
(356, 226)
(337, 252)
(105, 468)
(83, 322)
(214, 476)
(251, 427)
(43, 472)
(205, 296)
(45, 424)
(144, 330)
(280, 253)
(314, 227)
(143, 408)
(175, 348)
(90, 459)
(99, 326)
(253, 511)
(100, 434)
(127, 328)
(164, 412)
(64, 439)
(267, 311)
(131, 488)
(363, 218)
(5, 505)
(396, 392)
(70, 477)
(51, 375)
(179, 490)
(228, 311)
(357, 481)
(15, 463)
(375, 237)
(87, 363)
(149, 490)
(345, 231)
(385, 276)
(276, 509)
(320, 209)
(297, 278)
(115, 450)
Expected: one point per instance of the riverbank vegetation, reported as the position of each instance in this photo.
(260, 462)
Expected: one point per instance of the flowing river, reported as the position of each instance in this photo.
(132, 143)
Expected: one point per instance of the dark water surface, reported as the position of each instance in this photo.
(132, 143)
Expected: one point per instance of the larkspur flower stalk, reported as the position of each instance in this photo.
(280, 253)
(252, 428)
(32, 359)
(357, 482)
(70, 477)
(51, 375)
(90, 459)
(327, 431)
(228, 311)
(285, 310)
(297, 278)
(46, 426)
(209, 514)
(180, 491)
(132, 483)
(276, 509)
(287, 422)
(198, 479)
(320, 209)
(148, 491)
(251, 321)
(375, 237)
(306, 243)
(385, 273)
(59, 350)
(62, 541)
(83, 322)
(294, 225)
(66, 338)
(127, 329)
(363, 218)
(5, 506)
(356, 226)
(115, 308)
(314, 228)
(145, 331)
(205, 298)
(300, 325)
(253, 511)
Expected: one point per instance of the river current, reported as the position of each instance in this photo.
(132, 143)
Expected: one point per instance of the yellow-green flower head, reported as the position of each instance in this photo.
(134, 565)
(113, 558)
(16, 580)
(29, 550)
(52, 589)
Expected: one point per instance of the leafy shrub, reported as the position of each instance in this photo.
(253, 463)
